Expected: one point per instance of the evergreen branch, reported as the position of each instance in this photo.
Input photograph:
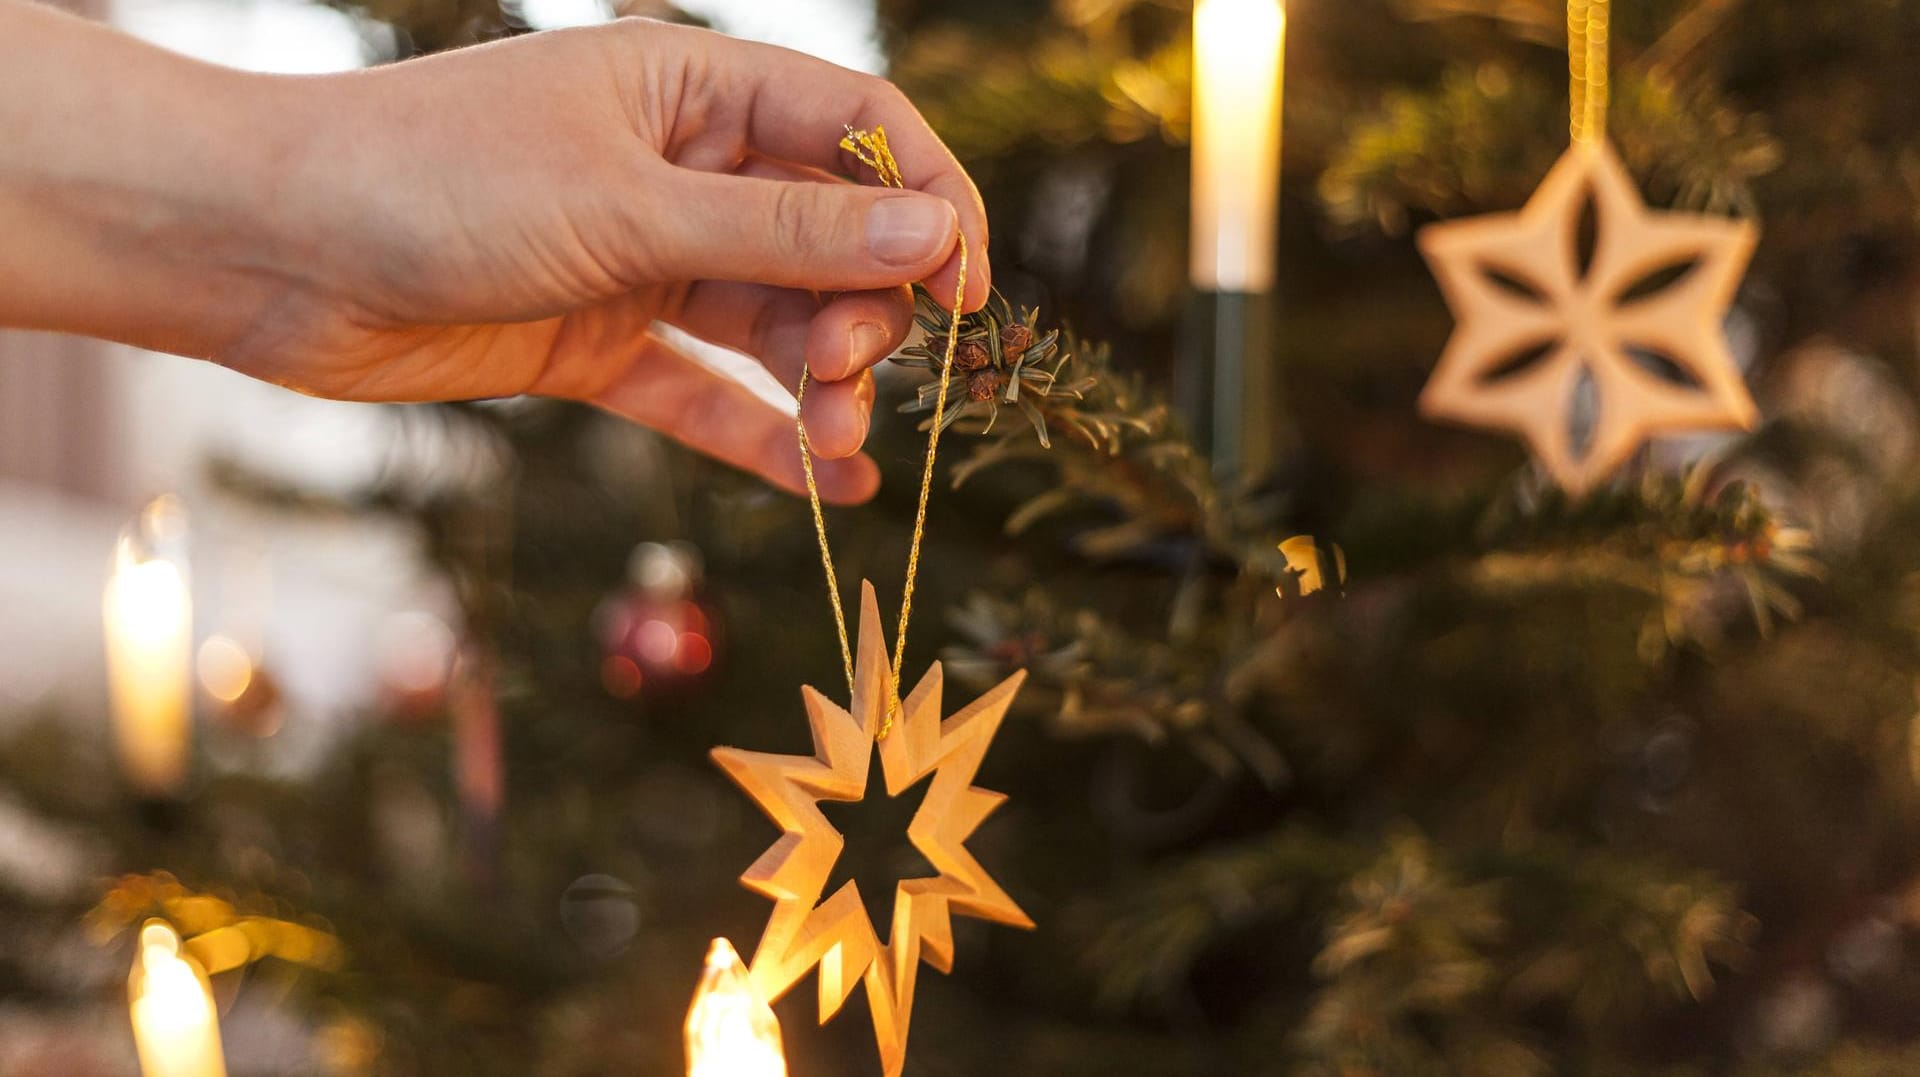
(1126, 451)
(1674, 539)
(1413, 933)
(1687, 33)
(1091, 677)
(1002, 359)
(1086, 81)
(1609, 933)
(1846, 1059)
(1543, 22)
(1424, 957)
(1421, 954)
(1471, 144)
(1150, 937)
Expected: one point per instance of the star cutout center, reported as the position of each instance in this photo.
(835, 935)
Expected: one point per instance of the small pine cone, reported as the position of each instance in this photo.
(971, 355)
(984, 384)
(1015, 339)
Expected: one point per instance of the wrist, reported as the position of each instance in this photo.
(133, 203)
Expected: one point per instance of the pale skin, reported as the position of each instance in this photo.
(513, 218)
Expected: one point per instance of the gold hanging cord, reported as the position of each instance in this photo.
(1588, 28)
(871, 148)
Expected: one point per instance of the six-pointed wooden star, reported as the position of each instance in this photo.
(1640, 324)
(836, 934)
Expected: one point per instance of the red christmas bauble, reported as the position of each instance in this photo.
(655, 635)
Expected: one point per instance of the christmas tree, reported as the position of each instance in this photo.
(1398, 759)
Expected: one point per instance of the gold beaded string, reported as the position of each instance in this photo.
(871, 148)
(1588, 29)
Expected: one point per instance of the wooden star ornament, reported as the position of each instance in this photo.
(1587, 357)
(836, 935)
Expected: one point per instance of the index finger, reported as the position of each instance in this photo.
(798, 108)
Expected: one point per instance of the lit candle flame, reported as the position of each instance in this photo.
(1238, 47)
(175, 1026)
(731, 1031)
(148, 619)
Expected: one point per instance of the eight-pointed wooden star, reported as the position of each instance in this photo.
(1534, 322)
(836, 934)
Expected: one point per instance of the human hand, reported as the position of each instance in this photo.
(514, 218)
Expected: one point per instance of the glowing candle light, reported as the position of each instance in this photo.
(731, 1031)
(148, 619)
(175, 1026)
(1237, 82)
(1227, 384)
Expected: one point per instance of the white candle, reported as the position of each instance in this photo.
(731, 1031)
(148, 619)
(175, 1026)
(1238, 47)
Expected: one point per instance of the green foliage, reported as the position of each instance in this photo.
(1000, 359)
(1112, 72)
(1475, 141)
(1612, 785)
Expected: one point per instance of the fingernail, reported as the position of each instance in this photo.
(909, 229)
(866, 344)
(863, 406)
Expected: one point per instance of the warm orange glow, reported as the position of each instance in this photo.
(147, 616)
(692, 618)
(175, 1027)
(1238, 46)
(226, 670)
(731, 1031)
(1304, 558)
(620, 676)
(694, 655)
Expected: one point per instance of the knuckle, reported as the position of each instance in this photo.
(890, 99)
(793, 221)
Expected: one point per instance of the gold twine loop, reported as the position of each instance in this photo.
(1588, 30)
(871, 149)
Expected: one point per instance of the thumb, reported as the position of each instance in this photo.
(819, 236)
